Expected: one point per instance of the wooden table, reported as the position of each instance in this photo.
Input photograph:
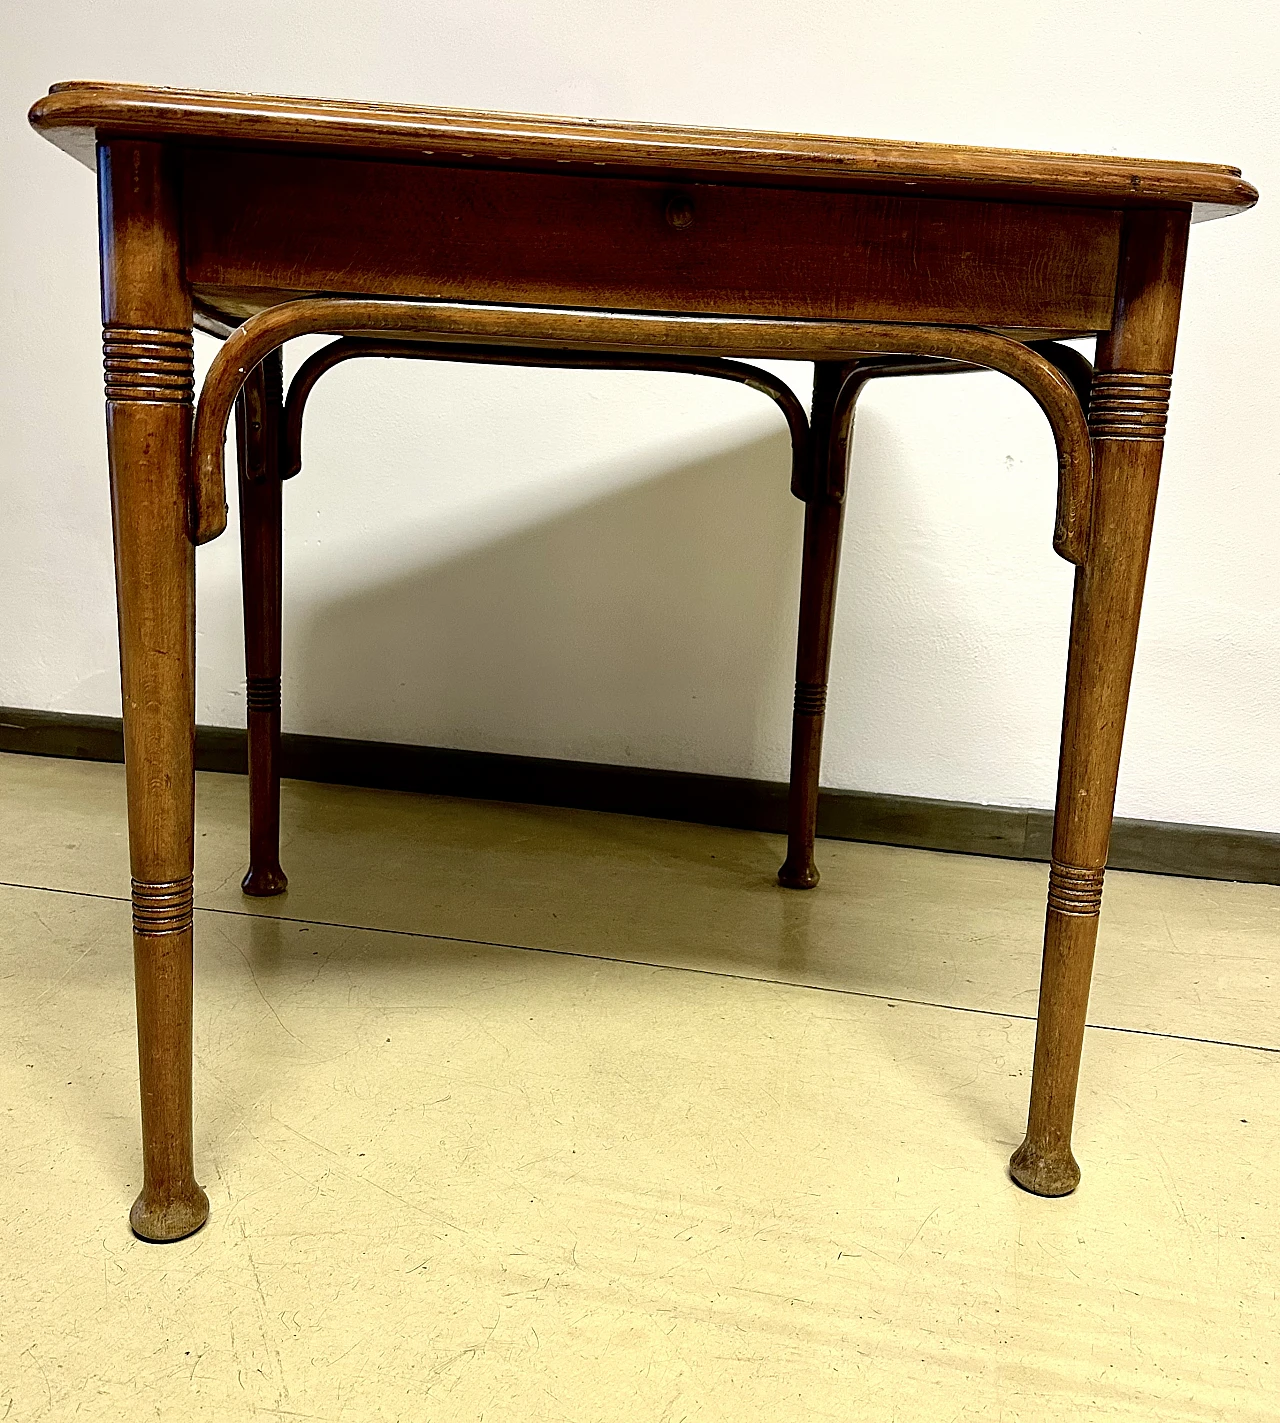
(445, 234)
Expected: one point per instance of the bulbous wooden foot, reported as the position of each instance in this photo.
(1044, 1174)
(262, 881)
(162, 1218)
(798, 874)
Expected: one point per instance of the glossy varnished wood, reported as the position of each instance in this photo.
(350, 348)
(561, 240)
(73, 113)
(269, 442)
(617, 332)
(259, 442)
(550, 241)
(146, 313)
(1127, 417)
(823, 525)
(818, 477)
(836, 389)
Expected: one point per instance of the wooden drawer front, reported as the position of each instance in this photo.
(283, 224)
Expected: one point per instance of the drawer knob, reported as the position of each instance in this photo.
(680, 211)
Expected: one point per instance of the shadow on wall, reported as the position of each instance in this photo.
(632, 629)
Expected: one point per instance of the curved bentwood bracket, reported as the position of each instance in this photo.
(349, 348)
(694, 344)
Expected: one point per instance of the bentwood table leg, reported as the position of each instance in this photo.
(259, 431)
(1127, 413)
(823, 522)
(148, 359)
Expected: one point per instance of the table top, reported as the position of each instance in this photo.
(74, 115)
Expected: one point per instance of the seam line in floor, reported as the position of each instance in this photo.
(670, 968)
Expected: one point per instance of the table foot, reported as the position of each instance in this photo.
(162, 1218)
(798, 875)
(262, 881)
(1044, 1173)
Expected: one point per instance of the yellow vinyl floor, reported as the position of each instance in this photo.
(514, 1114)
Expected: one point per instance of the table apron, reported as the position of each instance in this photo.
(261, 227)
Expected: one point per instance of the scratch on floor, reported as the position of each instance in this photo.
(916, 1236)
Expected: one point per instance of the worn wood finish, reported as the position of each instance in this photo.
(1127, 416)
(73, 112)
(645, 246)
(636, 332)
(397, 229)
(259, 436)
(146, 314)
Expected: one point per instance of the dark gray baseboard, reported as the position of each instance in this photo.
(1158, 847)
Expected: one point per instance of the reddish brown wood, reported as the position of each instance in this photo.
(1127, 417)
(562, 240)
(269, 443)
(823, 522)
(350, 348)
(73, 112)
(259, 436)
(695, 245)
(818, 477)
(836, 389)
(146, 313)
(633, 332)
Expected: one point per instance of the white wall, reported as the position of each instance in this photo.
(604, 566)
